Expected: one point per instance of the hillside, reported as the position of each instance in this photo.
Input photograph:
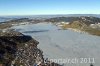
(90, 25)
(85, 19)
(17, 49)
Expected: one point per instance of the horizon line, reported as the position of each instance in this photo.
(48, 14)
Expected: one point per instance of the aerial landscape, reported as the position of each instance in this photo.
(49, 33)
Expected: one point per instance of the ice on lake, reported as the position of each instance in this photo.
(61, 44)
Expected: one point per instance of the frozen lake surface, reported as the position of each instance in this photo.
(63, 44)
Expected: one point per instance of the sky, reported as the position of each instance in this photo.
(48, 7)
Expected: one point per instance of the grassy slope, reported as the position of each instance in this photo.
(83, 27)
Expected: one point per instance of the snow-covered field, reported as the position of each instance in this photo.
(64, 44)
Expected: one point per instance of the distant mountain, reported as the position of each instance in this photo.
(79, 15)
(86, 19)
(51, 16)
